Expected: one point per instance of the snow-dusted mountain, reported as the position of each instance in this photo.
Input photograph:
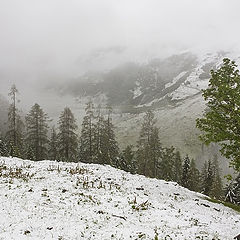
(153, 84)
(54, 200)
(171, 87)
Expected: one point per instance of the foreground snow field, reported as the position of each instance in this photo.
(52, 200)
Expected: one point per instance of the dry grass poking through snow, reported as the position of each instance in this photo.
(52, 200)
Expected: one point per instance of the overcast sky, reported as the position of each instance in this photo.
(44, 40)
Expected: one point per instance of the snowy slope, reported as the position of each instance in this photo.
(194, 83)
(177, 127)
(53, 202)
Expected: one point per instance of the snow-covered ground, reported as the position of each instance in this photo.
(51, 200)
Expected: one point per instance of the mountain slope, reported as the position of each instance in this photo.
(51, 200)
(152, 84)
(177, 127)
(171, 87)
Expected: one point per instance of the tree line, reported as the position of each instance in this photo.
(33, 139)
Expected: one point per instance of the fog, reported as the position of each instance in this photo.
(51, 41)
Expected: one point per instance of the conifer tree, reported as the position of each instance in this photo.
(185, 182)
(53, 145)
(203, 176)
(86, 139)
(29, 152)
(148, 146)
(126, 160)
(217, 188)
(177, 168)
(110, 145)
(67, 137)
(237, 189)
(98, 139)
(194, 179)
(207, 177)
(36, 135)
(166, 164)
(3, 148)
(14, 135)
(104, 147)
(155, 151)
(232, 192)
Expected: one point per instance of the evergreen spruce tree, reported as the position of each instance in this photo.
(53, 145)
(3, 148)
(36, 134)
(98, 139)
(232, 191)
(126, 160)
(67, 137)
(203, 177)
(177, 168)
(217, 188)
(155, 151)
(166, 164)
(14, 135)
(87, 134)
(207, 177)
(110, 145)
(185, 181)
(148, 146)
(29, 152)
(194, 180)
(237, 189)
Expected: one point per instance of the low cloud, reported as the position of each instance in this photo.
(55, 40)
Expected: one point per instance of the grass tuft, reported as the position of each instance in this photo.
(226, 204)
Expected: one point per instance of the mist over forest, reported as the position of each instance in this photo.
(109, 95)
(61, 54)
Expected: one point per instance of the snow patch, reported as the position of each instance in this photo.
(137, 90)
(89, 201)
(193, 84)
(175, 80)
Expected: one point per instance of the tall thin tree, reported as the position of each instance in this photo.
(37, 129)
(194, 179)
(53, 145)
(148, 146)
(86, 139)
(177, 168)
(185, 182)
(67, 137)
(14, 135)
(217, 186)
(207, 177)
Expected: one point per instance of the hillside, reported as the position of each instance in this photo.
(133, 87)
(171, 87)
(177, 127)
(54, 200)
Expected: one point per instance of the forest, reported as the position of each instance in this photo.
(36, 138)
